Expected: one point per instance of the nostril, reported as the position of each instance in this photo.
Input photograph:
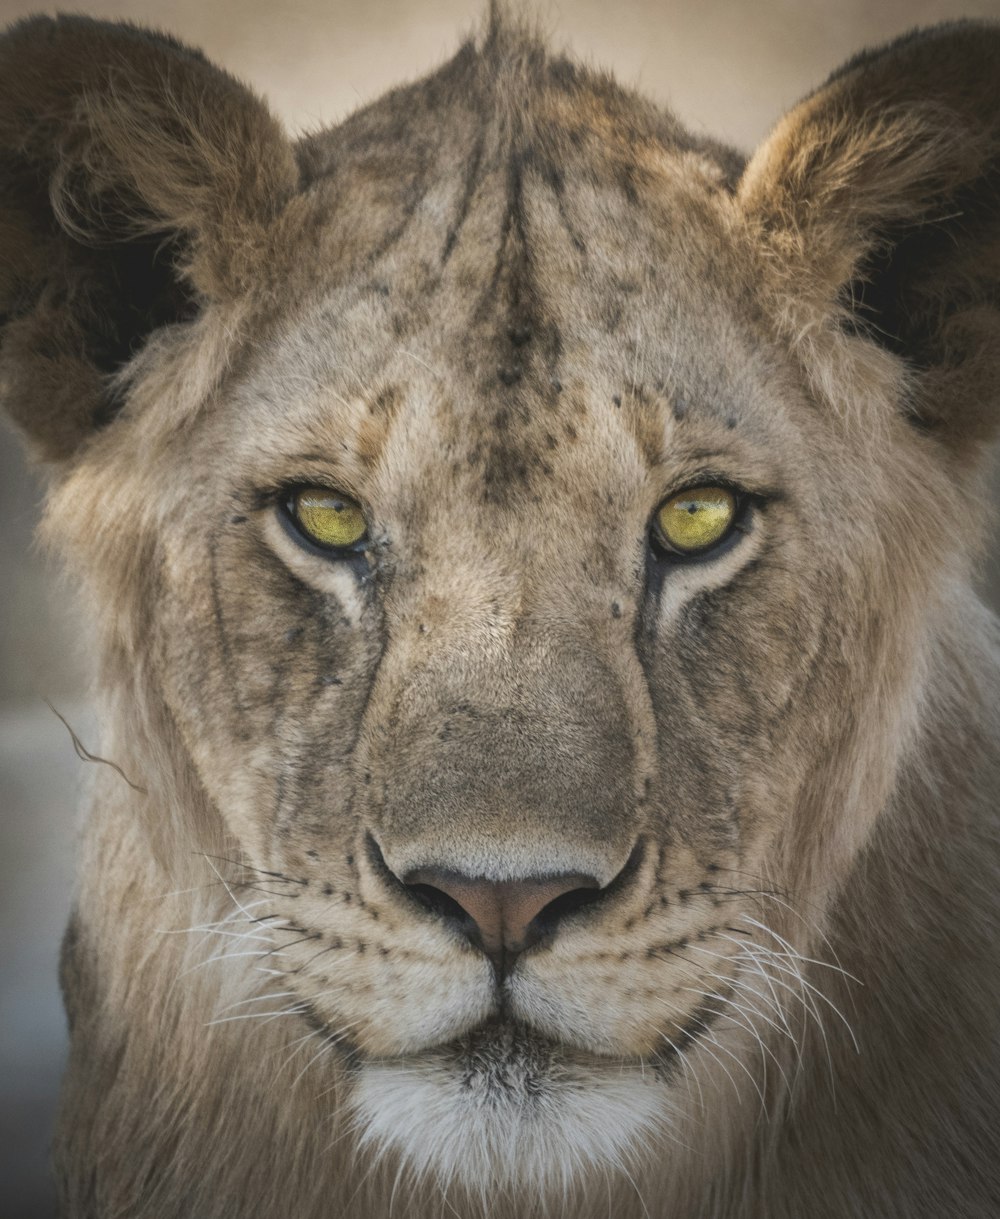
(564, 905)
(440, 903)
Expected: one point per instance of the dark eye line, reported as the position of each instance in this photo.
(279, 493)
(712, 476)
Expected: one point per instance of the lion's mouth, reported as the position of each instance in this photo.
(503, 1057)
(507, 1054)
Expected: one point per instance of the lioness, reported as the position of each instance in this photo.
(554, 738)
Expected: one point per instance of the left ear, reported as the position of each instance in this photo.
(879, 195)
(138, 183)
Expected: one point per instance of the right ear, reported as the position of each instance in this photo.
(878, 198)
(137, 183)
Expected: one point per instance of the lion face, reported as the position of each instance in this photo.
(511, 679)
(535, 790)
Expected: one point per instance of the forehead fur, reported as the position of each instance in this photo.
(504, 94)
(510, 231)
(440, 182)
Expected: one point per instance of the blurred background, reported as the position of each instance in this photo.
(727, 68)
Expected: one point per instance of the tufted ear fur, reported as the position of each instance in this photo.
(879, 194)
(137, 182)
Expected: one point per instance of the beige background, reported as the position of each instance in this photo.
(726, 67)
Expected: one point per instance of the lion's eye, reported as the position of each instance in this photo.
(695, 520)
(328, 518)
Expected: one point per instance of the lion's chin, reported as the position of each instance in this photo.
(502, 1109)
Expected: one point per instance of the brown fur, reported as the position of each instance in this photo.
(510, 309)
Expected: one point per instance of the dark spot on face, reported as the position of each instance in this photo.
(509, 374)
(680, 408)
(292, 634)
(550, 441)
(237, 520)
(557, 385)
(330, 679)
(616, 610)
(348, 898)
(519, 335)
(617, 399)
(313, 854)
(731, 422)
(328, 890)
(362, 948)
(683, 895)
(381, 288)
(570, 431)
(386, 401)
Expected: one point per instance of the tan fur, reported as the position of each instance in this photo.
(510, 309)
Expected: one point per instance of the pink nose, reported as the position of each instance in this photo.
(504, 914)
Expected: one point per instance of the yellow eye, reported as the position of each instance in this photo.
(695, 519)
(328, 518)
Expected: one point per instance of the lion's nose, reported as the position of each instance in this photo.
(503, 918)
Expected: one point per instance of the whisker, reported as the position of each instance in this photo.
(283, 994)
(264, 1016)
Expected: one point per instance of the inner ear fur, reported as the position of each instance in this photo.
(137, 181)
(880, 196)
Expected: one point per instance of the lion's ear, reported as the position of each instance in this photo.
(137, 182)
(880, 194)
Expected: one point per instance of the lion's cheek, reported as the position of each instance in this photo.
(402, 1000)
(622, 1008)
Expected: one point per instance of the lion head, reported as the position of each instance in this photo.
(524, 541)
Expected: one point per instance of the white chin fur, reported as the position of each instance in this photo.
(497, 1116)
